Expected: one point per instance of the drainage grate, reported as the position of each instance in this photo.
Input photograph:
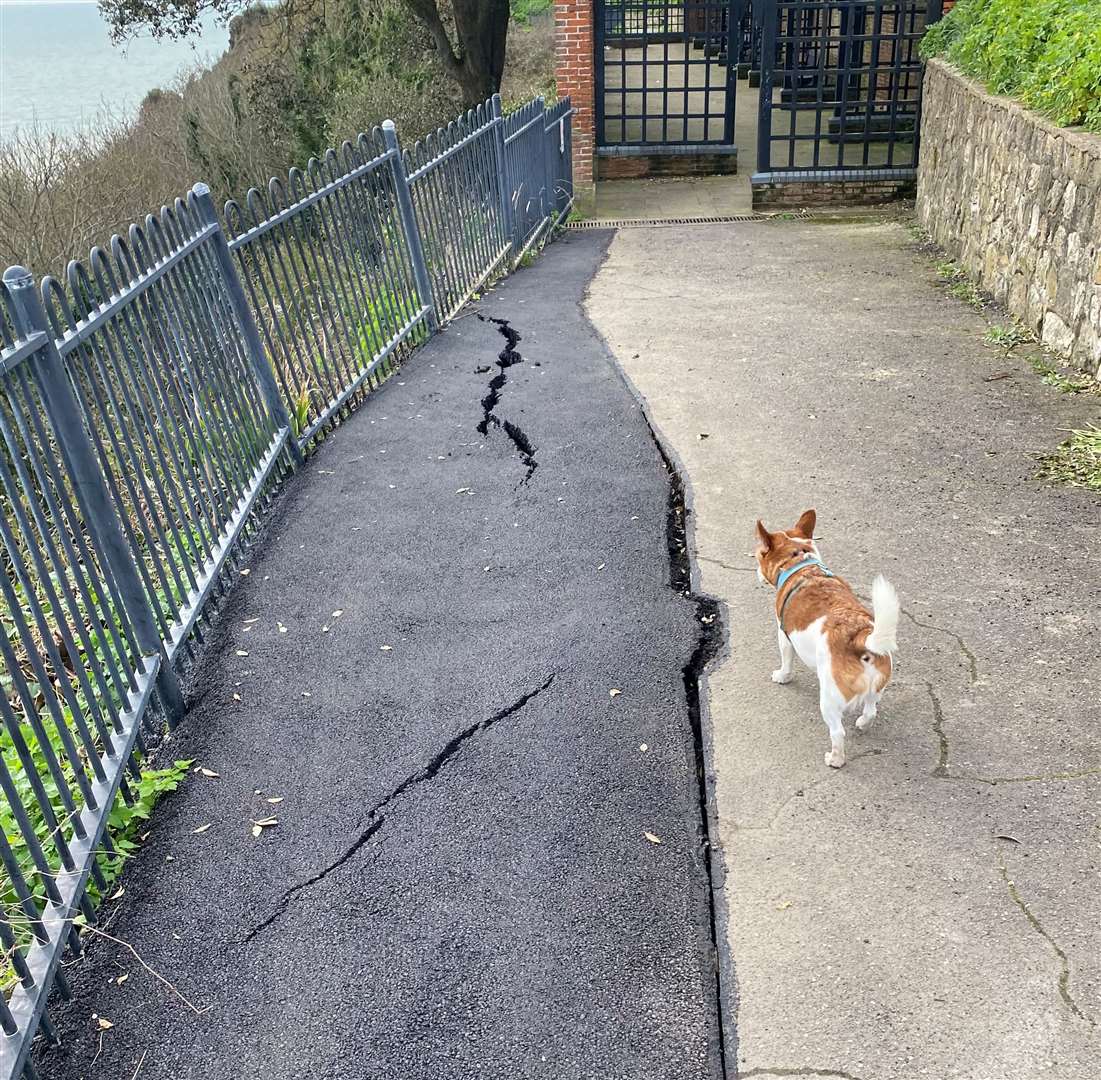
(638, 223)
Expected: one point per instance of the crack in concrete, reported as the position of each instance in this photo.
(805, 1070)
(727, 566)
(1064, 975)
(506, 358)
(375, 816)
(800, 792)
(972, 662)
(941, 771)
(965, 650)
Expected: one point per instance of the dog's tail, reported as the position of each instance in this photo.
(883, 640)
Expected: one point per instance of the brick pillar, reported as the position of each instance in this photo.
(573, 49)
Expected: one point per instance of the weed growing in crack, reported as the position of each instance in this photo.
(1051, 376)
(1007, 337)
(959, 284)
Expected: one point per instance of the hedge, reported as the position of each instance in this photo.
(1046, 53)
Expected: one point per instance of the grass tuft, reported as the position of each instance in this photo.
(1077, 461)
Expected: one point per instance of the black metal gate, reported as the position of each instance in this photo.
(840, 88)
(666, 72)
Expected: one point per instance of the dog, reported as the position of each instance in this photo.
(819, 617)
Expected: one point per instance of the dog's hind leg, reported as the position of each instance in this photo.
(867, 717)
(784, 673)
(832, 706)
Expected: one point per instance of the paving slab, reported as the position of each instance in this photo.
(931, 910)
(476, 715)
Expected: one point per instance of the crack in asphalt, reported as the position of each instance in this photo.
(375, 816)
(506, 358)
(1064, 975)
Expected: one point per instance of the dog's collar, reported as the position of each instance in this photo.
(812, 561)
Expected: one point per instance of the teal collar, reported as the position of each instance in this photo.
(781, 581)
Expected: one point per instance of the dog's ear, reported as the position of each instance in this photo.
(805, 525)
(764, 537)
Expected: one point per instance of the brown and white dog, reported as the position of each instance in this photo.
(819, 617)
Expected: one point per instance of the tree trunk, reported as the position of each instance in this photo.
(481, 27)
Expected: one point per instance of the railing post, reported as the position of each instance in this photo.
(769, 18)
(409, 223)
(545, 201)
(504, 184)
(79, 456)
(258, 356)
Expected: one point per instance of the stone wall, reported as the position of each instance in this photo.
(1017, 202)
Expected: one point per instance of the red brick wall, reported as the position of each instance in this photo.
(573, 23)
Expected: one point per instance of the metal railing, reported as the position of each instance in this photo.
(841, 97)
(148, 404)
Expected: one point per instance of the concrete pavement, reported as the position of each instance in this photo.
(932, 910)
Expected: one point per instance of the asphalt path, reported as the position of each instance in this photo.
(453, 677)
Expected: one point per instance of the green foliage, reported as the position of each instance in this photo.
(1007, 337)
(959, 284)
(1051, 376)
(1077, 461)
(1045, 52)
(523, 11)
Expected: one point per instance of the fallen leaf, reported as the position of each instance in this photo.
(210, 773)
(104, 1023)
(704, 435)
(325, 628)
(614, 693)
(306, 693)
(122, 978)
(784, 906)
(386, 648)
(242, 652)
(170, 858)
(643, 747)
(116, 895)
(276, 801)
(236, 697)
(601, 566)
(652, 838)
(266, 823)
(256, 830)
(1006, 836)
(201, 829)
(338, 613)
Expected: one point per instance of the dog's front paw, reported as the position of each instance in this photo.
(782, 677)
(864, 722)
(835, 759)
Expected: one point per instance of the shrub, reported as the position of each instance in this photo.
(1047, 53)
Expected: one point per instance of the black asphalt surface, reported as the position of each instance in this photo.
(459, 883)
